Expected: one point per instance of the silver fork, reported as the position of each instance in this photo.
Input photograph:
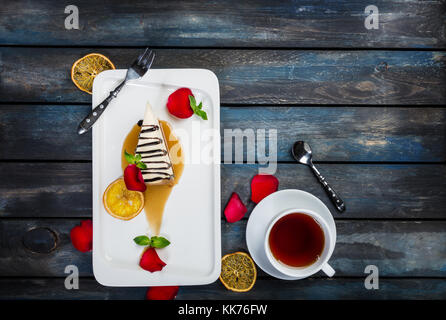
(138, 68)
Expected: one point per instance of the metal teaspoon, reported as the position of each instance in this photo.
(302, 153)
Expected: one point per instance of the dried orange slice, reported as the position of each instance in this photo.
(87, 68)
(122, 203)
(238, 272)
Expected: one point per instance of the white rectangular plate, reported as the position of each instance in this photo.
(191, 220)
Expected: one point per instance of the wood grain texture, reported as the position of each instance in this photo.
(395, 216)
(229, 23)
(398, 248)
(370, 191)
(43, 133)
(247, 76)
(49, 132)
(308, 289)
(344, 133)
(45, 189)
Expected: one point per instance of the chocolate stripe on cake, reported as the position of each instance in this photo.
(153, 150)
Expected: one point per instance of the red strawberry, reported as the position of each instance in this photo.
(263, 185)
(178, 103)
(162, 293)
(133, 178)
(150, 261)
(235, 209)
(82, 236)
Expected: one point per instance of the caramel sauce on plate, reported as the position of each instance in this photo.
(156, 196)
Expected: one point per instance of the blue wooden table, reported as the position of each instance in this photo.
(371, 102)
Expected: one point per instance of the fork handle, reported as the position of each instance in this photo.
(94, 114)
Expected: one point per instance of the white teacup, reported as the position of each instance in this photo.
(319, 264)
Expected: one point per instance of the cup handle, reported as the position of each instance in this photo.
(328, 270)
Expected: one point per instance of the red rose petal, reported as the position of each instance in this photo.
(235, 209)
(263, 185)
(82, 236)
(150, 261)
(178, 103)
(88, 226)
(133, 178)
(162, 293)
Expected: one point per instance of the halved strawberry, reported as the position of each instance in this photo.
(162, 293)
(235, 209)
(150, 261)
(263, 185)
(82, 236)
(133, 178)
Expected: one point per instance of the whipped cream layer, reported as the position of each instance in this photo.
(153, 150)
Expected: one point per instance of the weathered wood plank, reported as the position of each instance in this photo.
(43, 133)
(370, 191)
(45, 189)
(247, 76)
(226, 23)
(49, 132)
(308, 289)
(397, 248)
(346, 133)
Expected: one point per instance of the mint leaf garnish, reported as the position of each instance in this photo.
(135, 159)
(154, 242)
(129, 157)
(197, 109)
(159, 242)
(142, 240)
(141, 165)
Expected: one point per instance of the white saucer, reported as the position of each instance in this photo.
(264, 213)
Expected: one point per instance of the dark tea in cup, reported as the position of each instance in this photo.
(296, 240)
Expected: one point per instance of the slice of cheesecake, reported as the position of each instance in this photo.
(153, 150)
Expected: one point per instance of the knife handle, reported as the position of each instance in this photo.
(94, 114)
